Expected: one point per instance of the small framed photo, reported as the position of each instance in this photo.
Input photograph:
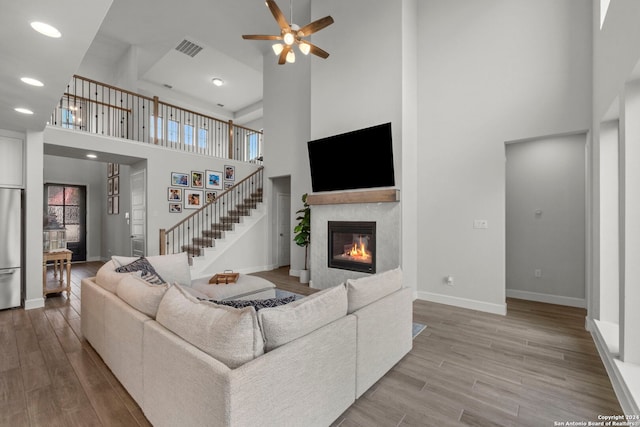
(116, 185)
(228, 184)
(175, 207)
(197, 179)
(179, 179)
(110, 206)
(116, 205)
(213, 180)
(116, 169)
(174, 194)
(109, 169)
(229, 173)
(193, 199)
(110, 186)
(210, 196)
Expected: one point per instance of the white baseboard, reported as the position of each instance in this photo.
(95, 258)
(548, 298)
(295, 273)
(464, 302)
(30, 304)
(616, 371)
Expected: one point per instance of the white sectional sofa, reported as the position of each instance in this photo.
(194, 363)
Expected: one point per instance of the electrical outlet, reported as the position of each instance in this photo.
(537, 273)
(448, 280)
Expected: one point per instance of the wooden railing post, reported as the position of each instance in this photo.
(231, 139)
(155, 119)
(163, 242)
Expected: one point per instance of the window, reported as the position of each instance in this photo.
(160, 127)
(67, 204)
(68, 119)
(202, 138)
(188, 134)
(173, 131)
(254, 149)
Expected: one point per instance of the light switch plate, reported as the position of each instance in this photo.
(480, 223)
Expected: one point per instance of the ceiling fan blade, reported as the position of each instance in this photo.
(260, 37)
(316, 25)
(317, 51)
(283, 55)
(277, 13)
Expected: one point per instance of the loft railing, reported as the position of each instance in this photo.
(91, 106)
(200, 229)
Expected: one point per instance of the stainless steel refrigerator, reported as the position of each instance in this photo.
(10, 247)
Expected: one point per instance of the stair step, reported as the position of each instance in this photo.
(248, 205)
(204, 242)
(213, 234)
(230, 219)
(240, 212)
(192, 250)
(222, 226)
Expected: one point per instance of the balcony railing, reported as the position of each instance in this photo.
(98, 108)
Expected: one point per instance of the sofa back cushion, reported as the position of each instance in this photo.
(364, 291)
(172, 268)
(230, 335)
(108, 278)
(141, 295)
(288, 322)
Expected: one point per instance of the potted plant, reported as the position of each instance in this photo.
(302, 236)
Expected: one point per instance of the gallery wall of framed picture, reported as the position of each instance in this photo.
(195, 189)
(113, 188)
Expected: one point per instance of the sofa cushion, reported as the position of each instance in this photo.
(364, 291)
(108, 278)
(147, 272)
(258, 304)
(230, 335)
(141, 295)
(288, 322)
(173, 268)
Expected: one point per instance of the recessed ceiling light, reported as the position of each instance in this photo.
(32, 82)
(217, 81)
(23, 110)
(92, 156)
(46, 29)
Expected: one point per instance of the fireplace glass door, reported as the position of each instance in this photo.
(352, 245)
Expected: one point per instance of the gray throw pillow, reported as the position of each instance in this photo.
(142, 265)
(256, 303)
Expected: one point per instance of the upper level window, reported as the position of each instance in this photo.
(151, 127)
(203, 134)
(188, 134)
(173, 131)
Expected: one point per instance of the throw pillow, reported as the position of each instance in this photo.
(232, 336)
(148, 272)
(141, 295)
(172, 268)
(364, 291)
(288, 322)
(258, 304)
(108, 279)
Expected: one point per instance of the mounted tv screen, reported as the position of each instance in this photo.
(357, 159)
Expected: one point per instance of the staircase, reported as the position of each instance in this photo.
(212, 222)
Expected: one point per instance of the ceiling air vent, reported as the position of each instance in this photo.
(188, 48)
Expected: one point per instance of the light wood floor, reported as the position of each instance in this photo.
(532, 367)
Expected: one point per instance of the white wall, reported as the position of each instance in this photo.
(161, 162)
(489, 72)
(545, 219)
(93, 175)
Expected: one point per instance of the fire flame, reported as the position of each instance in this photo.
(359, 251)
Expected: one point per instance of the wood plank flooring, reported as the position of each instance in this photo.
(532, 367)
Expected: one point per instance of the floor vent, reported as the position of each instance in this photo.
(188, 48)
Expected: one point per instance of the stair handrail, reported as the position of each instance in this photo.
(192, 226)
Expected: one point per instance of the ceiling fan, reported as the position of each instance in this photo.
(292, 34)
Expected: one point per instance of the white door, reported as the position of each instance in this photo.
(138, 213)
(284, 229)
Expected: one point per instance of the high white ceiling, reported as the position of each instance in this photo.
(154, 28)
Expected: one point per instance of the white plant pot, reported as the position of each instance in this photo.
(304, 276)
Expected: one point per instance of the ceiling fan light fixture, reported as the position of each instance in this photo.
(288, 38)
(291, 57)
(304, 48)
(277, 48)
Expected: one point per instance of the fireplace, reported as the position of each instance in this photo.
(352, 245)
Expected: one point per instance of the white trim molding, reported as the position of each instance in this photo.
(464, 302)
(30, 304)
(548, 298)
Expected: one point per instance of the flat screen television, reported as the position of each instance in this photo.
(352, 160)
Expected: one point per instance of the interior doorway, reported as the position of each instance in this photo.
(68, 205)
(282, 220)
(138, 224)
